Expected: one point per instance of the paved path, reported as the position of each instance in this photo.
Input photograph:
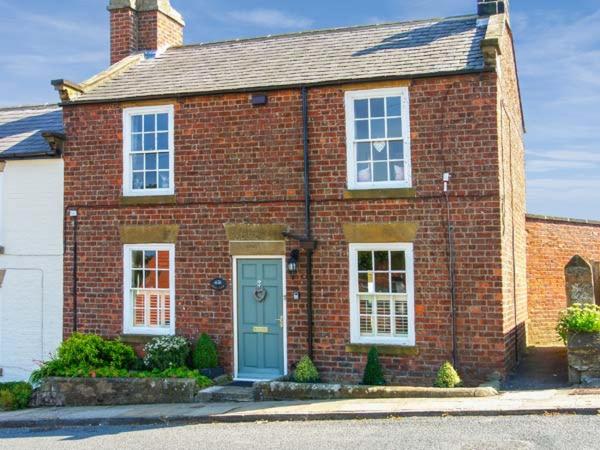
(540, 368)
(466, 433)
(510, 403)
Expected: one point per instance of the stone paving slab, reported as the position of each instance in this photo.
(555, 401)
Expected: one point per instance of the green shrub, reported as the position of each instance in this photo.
(165, 352)
(205, 353)
(373, 375)
(14, 395)
(578, 319)
(175, 372)
(306, 372)
(82, 355)
(447, 377)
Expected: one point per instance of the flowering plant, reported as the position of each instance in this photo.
(579, 319)
(166, 352)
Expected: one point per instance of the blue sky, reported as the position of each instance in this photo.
(558, 51)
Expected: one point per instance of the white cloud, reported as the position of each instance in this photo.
(579, 155)
(540, 165)
(267, 18)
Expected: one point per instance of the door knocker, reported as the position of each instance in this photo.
(260, 293)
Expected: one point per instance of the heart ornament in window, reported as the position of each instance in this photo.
(379, 146)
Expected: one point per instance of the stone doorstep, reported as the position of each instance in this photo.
(226, 394)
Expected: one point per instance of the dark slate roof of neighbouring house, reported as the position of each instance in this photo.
(21, 130)
(395, 50)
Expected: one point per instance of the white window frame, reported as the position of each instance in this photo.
(355, 335)
(128, 113)
(350, 97)
(128, 327)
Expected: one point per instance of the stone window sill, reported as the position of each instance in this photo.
(386, 350)
(366, 194)
(149, 200)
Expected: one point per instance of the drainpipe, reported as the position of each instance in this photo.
(73, 214)
(310, 244)
(451, 270)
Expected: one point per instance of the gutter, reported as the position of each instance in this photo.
(250, 89)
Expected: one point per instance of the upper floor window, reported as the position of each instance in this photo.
(148, 151)
(378, 138)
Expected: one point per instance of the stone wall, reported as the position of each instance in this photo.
(113, 391)
(551, 245)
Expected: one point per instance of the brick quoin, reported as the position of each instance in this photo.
(551, 243)
(239, 164)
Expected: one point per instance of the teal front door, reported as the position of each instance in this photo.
(260, 319)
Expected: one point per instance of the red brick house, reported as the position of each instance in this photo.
(310, 193)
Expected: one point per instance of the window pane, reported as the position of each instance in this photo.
(393, 106)
(151, 161)
(401, 325)
(363, 151)
(162, 122)
(394, 128)
(377, 129)
(163, 180)
(365, 261)
(362, 129)
(163, 160)
(377, 107)
(138, 162)
(137, 279)
(151, 180)
(380, 151)
(163, 279)
(361, 109)
(365, 325)
(398, 283)
(149, 143)
(138, 181)
(163, 260)
(396, 149)
(381, 261)
(398, 261)
(138, 309)
(150, 259)
(397, 171)
(136, 124)
(167, 314)
(136, 142)
(380, 172)
(137, 258)
(382, 282)
(363, 282)
(363, 172)
(150, 279)
(149, 124)
(162, 141)
(366, 305)
(401, 307)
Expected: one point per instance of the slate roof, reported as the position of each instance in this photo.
(21, 130)
(395, 50)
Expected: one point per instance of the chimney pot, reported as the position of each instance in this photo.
(492, 7)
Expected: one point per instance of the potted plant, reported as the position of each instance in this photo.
(205, 357)
(579, 328)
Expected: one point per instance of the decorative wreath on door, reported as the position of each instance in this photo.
(260, 293)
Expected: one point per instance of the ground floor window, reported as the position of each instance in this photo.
(149, 289)
(382, 293)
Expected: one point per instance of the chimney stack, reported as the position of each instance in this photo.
(143, 25)
(492, 7)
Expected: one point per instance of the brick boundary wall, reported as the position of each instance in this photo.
(551, 243)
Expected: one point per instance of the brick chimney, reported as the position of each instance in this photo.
(138, 25)
(492, 7)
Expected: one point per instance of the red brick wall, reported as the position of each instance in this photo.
(550, 246)
(236, 164)
(512, 199)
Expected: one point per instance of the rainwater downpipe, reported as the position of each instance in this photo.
(73, 215)
(307, 224)
(451, 270)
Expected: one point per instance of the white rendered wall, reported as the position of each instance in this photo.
(31, 296)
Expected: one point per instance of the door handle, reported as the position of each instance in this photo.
(280, 320)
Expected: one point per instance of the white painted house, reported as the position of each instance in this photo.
(31, 237)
